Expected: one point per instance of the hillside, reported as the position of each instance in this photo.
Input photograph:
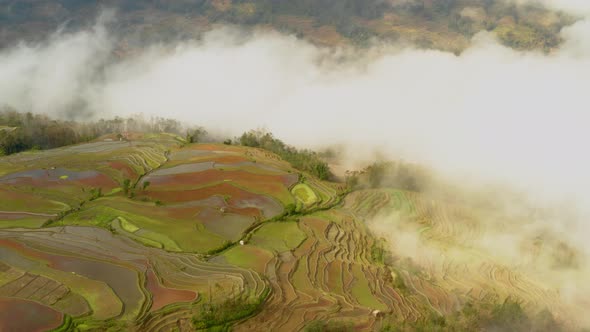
(156, 234)
(425, 175)
(442, 24)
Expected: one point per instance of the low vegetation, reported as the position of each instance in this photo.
(505, 316)
(389, 174)
(222, 315)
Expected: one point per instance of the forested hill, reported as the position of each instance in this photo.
(440, 24)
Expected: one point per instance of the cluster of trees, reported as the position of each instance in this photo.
(27, 131)
(195, 135)
(427, 8)
(219, 316)
(325, 11)
(344, 15)
(328, 11)
(526, 31)
(506, 316)
(347, 17)
(304, 160)
(528, 35)
(389, 174)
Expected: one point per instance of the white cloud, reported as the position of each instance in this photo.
(491, 111)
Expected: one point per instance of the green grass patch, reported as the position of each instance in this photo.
(20, 200)
(155, 223)
(148, 242)
(361, 291)
(300, 278)
(304, 194)
(115, 190)
(278, 236)
(248, 256)
(66, 325)
(143, 240)
(102, 299)
(32, 222)
(148, 237)
(128, 226)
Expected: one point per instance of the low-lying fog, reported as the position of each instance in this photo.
(489, 115)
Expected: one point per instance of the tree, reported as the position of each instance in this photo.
(23, 131)
(304, 160)
(195, 135)
(126, 185)
(95, 193)
(145, 185)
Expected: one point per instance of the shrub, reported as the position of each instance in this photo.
(126, 186)
(290, 209)
(219, 315)
(389, 174)
(304, 160)
(95, 193)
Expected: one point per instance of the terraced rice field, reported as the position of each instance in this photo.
(114, 276)
(454, 268)
(23, 315)
(322, 270)
(147, 234)
(99, 231)
(36, 186)
(211, 193)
